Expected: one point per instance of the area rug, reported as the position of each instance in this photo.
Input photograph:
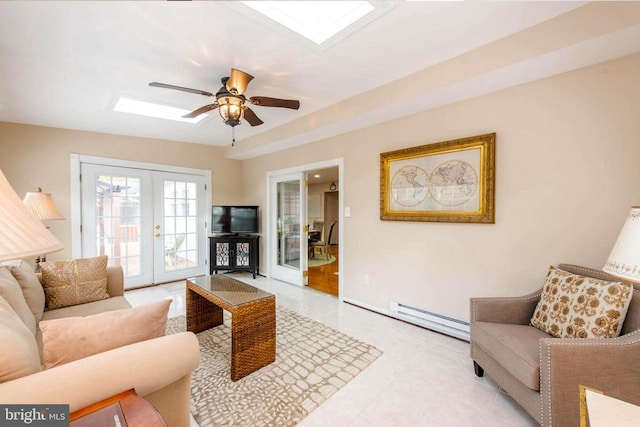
(321, 260)
(313, 361)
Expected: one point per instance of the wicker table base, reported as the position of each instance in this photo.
(253, 319)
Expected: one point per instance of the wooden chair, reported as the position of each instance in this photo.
(323, 245)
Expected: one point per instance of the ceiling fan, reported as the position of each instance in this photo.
(230, 100)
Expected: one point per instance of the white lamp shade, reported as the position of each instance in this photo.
(41, 205)
(21, 234)
(624, 260)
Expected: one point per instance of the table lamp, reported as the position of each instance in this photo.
(42, 207)
(21, 234)
(624, 260)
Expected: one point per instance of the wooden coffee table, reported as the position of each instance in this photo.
(253, 319)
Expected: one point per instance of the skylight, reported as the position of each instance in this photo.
(132, 106)
(316, 20)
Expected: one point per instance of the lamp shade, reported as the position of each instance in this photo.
(21, 234)
(41, 205)
(624, 260)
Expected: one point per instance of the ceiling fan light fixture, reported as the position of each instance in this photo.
(230, 100)
(231, 109)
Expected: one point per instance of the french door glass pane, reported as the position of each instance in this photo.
(289, 224)
(118, 218)
(180, 225)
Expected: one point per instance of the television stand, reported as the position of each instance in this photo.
(234, 252)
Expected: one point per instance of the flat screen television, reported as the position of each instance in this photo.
(234, 219)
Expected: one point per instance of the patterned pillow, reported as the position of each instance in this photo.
(74, 282)
(574, 306)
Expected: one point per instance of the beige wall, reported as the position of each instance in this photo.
(34, 156)
(566, 175)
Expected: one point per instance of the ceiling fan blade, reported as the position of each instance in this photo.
(264, 101)
(183, 89)
(251, 117)
(239, 80)
(201, 110)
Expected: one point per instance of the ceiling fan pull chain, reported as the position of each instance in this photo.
(233, 135)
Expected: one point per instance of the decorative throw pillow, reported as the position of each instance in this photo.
(74, 282)
(72, 338)
(31, 288)
(574, 306)
(19, 355)
(11, 291)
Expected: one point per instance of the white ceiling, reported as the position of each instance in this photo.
(65, 64)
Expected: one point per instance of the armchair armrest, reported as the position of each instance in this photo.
(115, 281)
(146, 366)
(609, 365)
(511, 310)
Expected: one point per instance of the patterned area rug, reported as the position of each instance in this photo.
(313, 361)
(321, 260)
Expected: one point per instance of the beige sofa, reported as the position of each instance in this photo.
(158, 369)
(543, 373)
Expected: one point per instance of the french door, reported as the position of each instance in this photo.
(288, 217)
(180, 226)
(151, 223)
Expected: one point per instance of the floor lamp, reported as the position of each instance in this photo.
(42, 207)
(21, 234)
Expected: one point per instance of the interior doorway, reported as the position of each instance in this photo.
(323, 203)
(323, 218)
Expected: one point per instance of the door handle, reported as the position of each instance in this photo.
(158, 234)
(158, 227)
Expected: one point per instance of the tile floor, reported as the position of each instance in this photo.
(422, 379)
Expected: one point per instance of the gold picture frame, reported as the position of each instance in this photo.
(584, 411)
(449, 181)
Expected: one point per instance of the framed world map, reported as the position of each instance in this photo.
(450, 181)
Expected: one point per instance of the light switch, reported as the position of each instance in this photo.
(347, 211)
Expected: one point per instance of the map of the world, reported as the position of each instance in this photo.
(448, 183)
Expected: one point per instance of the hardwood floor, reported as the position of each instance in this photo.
(323, 278)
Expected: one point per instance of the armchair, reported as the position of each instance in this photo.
(543, 373)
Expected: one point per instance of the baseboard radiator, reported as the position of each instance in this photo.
(430, 320)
